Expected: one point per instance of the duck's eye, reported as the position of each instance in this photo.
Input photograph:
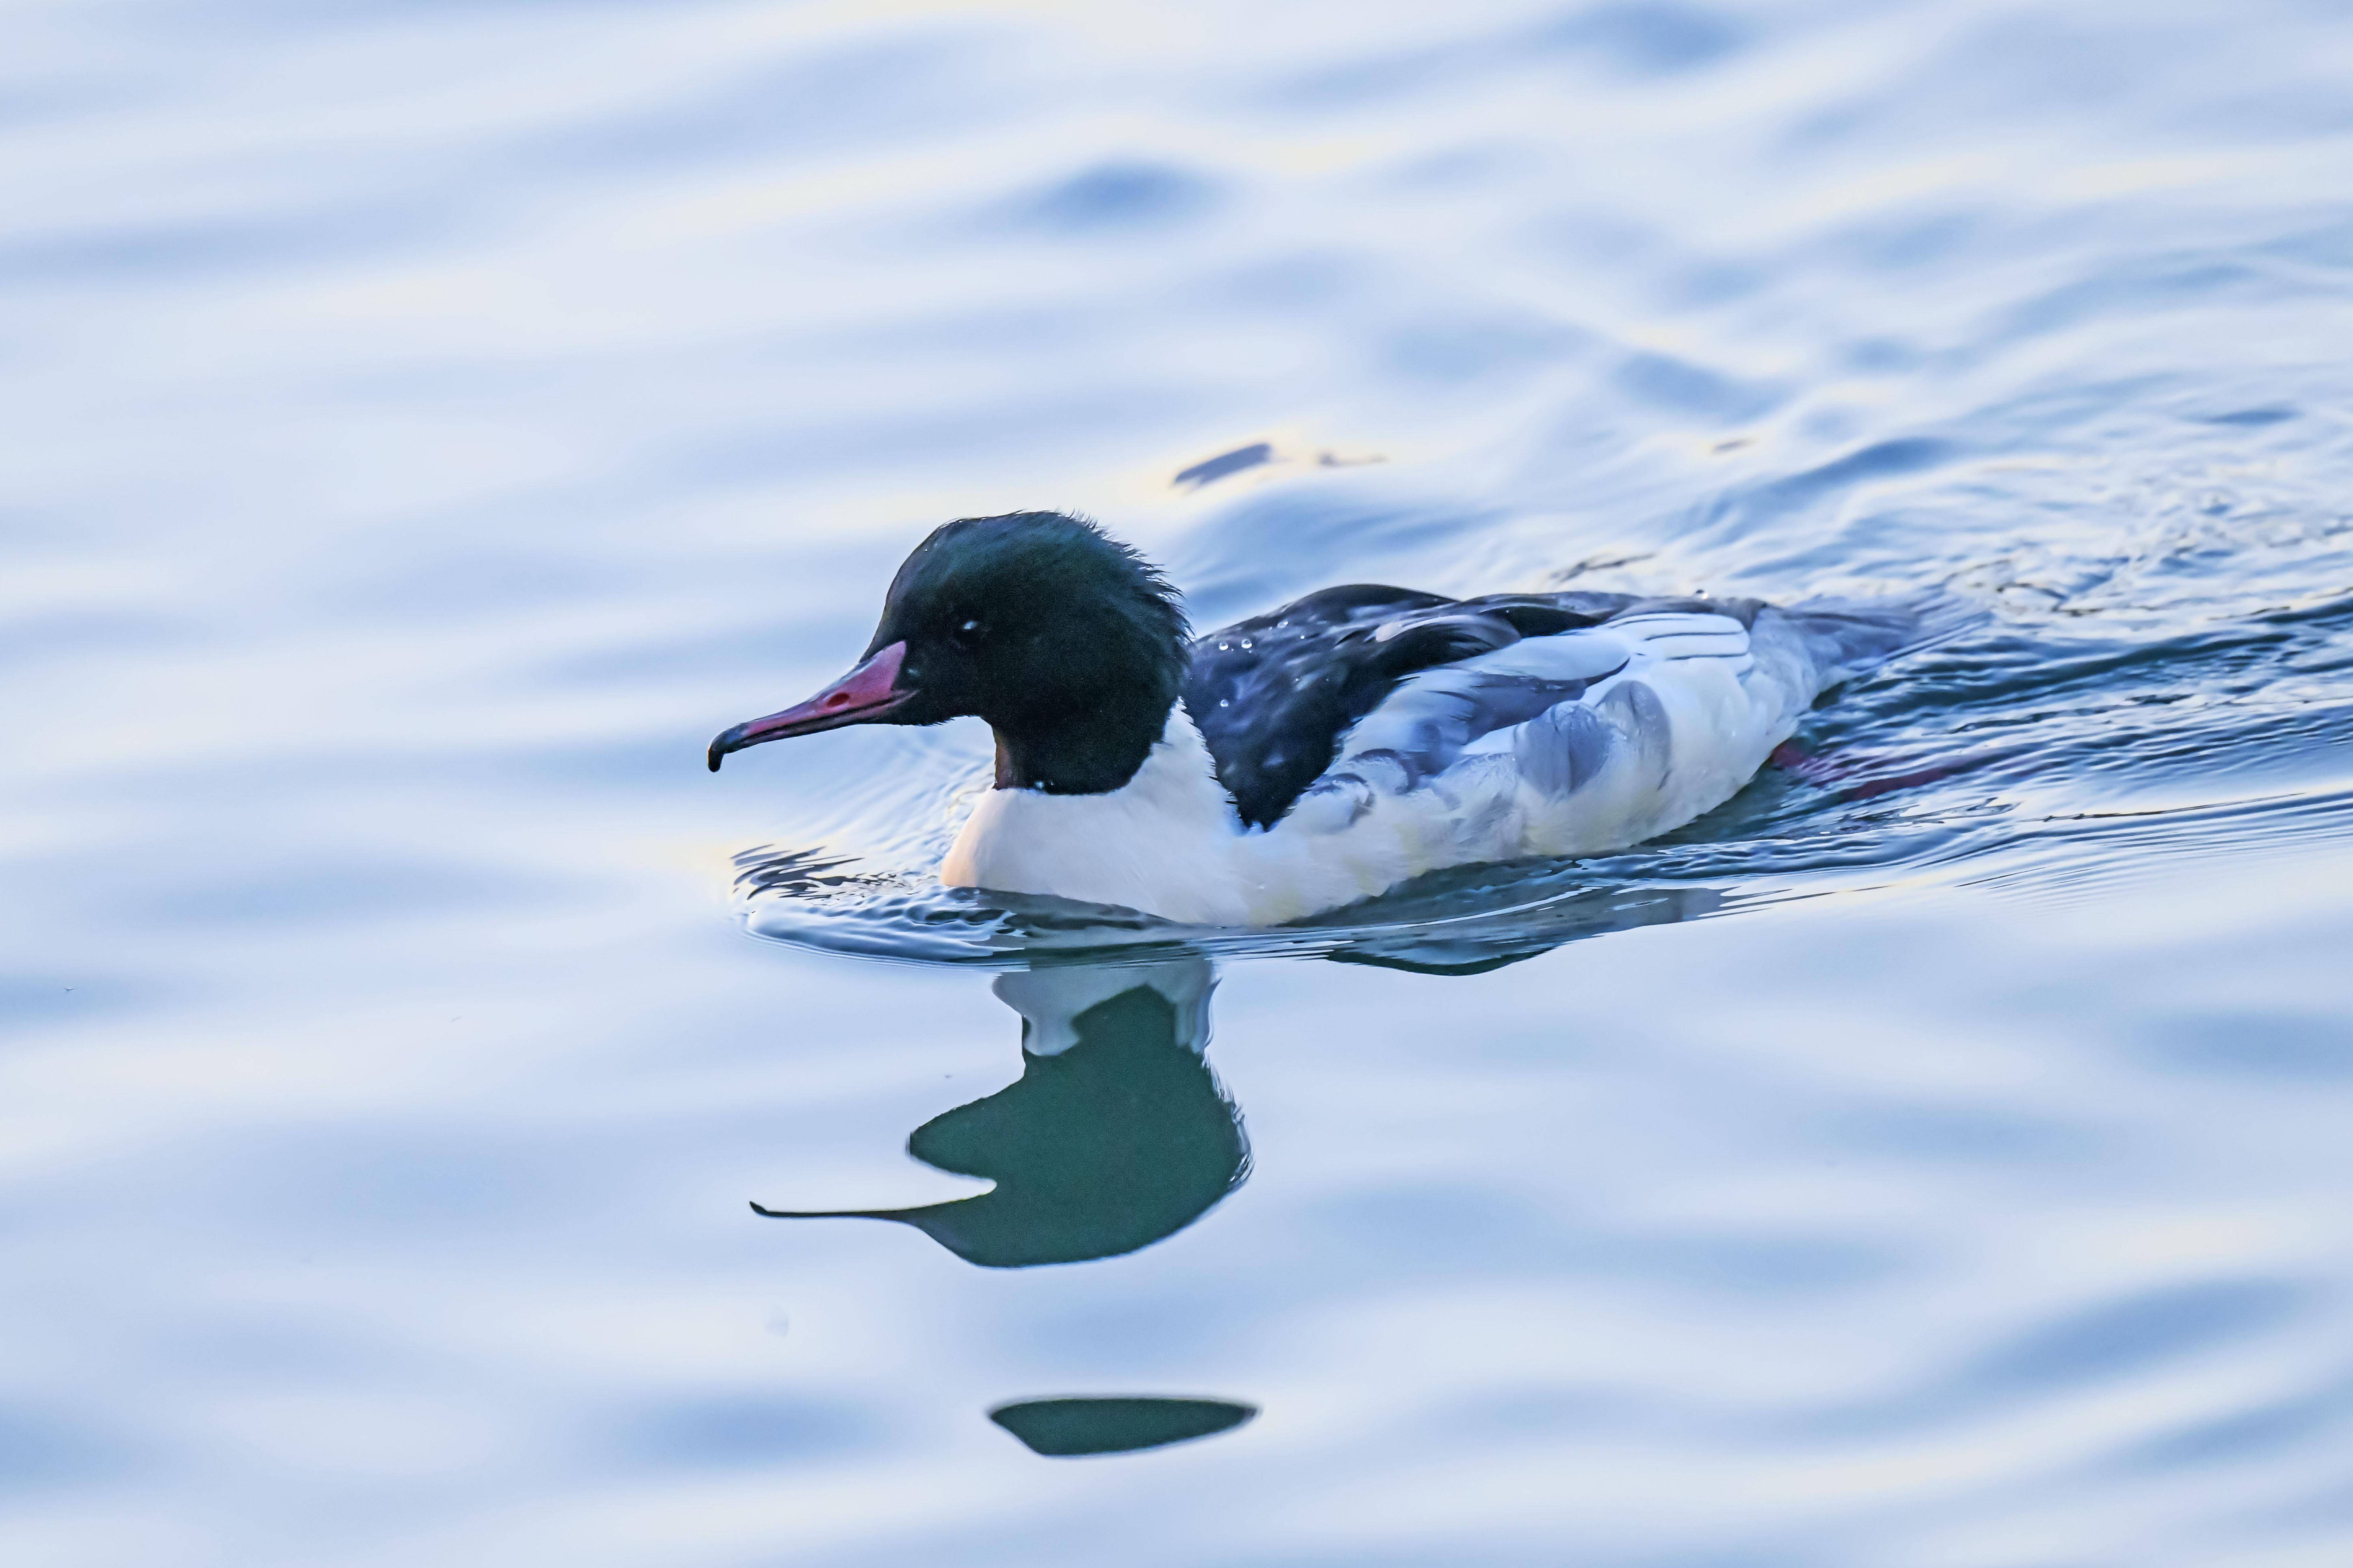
(967, 631)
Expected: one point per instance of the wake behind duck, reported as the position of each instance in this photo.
(1329, 749)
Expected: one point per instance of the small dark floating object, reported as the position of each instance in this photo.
(1064, 1428)
(1210, 470)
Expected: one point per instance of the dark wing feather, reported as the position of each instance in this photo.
(1274, 695)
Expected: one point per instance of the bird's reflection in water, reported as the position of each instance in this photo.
(1067, 1429)
(1116, 1135)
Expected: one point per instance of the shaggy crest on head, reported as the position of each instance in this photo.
(1329, 749)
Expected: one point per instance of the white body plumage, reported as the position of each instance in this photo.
(1674, 710)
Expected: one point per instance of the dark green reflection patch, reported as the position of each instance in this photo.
(1064, 1428)
(1120, 1139)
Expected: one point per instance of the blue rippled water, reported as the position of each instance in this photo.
(429, 424)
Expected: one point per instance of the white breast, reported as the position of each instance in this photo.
(1163, 842)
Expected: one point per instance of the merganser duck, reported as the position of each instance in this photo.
(1326, 750)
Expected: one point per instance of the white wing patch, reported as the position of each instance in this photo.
(1572, 744)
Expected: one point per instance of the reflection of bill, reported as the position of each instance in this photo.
(1067, 1428)
(1115, 1136)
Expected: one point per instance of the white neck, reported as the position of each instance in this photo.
(1163, 843)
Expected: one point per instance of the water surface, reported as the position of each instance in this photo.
(430, 424)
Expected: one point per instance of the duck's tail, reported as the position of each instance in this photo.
(1849, 637)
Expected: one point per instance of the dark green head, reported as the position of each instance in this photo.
(1064, 640)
